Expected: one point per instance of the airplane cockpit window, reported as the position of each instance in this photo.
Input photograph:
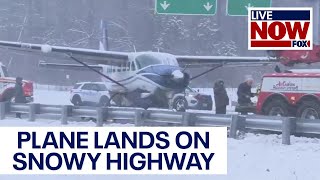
(147, 60)
(170, 61)
(165, 61)
(109, 69)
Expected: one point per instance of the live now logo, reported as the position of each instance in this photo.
(280, 29)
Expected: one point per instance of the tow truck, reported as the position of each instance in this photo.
(7, 85)
(274, 100)
(292, 57)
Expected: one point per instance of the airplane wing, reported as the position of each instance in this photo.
(76, 67)
(201, 61)
(118, 58)
(85, 55)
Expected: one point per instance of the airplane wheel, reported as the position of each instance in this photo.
(117, 99)
(180, 104)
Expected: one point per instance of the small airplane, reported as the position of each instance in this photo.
(143, 79)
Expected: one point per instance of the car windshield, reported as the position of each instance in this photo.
(102, 87)
(76, 86)
(188, 89)
(147, 60)
(5, 72)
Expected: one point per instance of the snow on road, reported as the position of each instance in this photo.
(252, 157)
(63, 97)
(52, 97)
(13, 122)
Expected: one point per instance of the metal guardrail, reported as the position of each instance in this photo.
(140, 117)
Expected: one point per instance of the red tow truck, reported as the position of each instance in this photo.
(7, 86)
(292, 57)
(290, 93)
(294, 94)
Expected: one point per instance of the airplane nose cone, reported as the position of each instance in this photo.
(177, 75)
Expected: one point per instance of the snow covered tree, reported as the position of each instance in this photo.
(171, 34)
(207, 35)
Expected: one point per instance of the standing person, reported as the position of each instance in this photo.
(244, 92)
(220, 97)
(19, 94)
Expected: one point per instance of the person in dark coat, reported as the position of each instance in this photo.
(220, 97)
(244, 92)
(19, 94)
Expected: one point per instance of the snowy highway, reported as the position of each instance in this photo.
(52, 97)
(76, 77)
(260, 157)
(254, 156)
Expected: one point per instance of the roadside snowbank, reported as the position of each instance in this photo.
(63, 97)
(52, 97)
(253, 157)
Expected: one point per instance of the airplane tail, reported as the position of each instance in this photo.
(103, 43)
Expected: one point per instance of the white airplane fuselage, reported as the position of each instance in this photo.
(147, 73)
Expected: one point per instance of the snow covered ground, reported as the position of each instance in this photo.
(52, 97)
(63, 97)
(252, 157)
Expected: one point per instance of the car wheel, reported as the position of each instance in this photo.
(276, 108)
(309, 110)
(76, 100)
(180, 104)
(104, 101)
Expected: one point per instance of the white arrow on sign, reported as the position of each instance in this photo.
(164, 5)
(208, 6)
(249, 5)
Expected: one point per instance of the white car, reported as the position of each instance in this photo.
(191, 99)
(90, 93)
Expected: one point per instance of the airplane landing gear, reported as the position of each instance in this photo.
(137, 99)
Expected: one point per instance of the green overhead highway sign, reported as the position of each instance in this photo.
(240, 7)
(186, 7)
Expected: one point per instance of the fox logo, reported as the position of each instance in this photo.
(280, 29)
